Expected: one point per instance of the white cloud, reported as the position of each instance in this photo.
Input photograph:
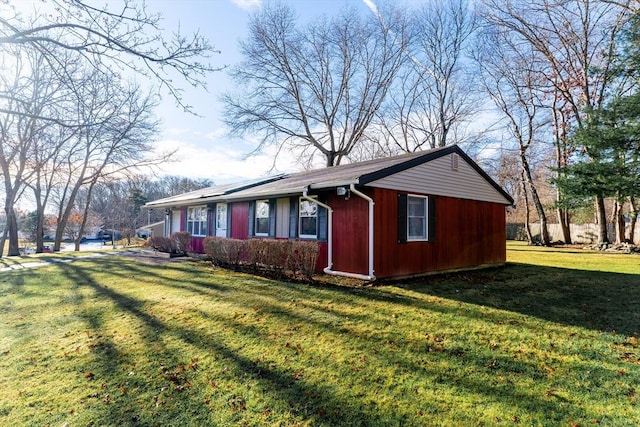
(212, 156)
(247, 4)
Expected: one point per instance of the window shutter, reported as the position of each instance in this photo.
(293, 217)
(431, 213)
(323, 221)
(184, 216)
(211, 219)
(252, 217)
(402, 218)
(229, 218)
(272, 218)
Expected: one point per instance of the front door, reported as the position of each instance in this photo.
(282, 218)
(221, 220)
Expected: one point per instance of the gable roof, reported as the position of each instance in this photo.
(361, 173)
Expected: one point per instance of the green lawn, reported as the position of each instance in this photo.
(550, 339)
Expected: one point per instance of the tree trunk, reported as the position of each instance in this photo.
(527, 209)
(601, 216)
(544, 230)
(12, 226)
(635, 211)
(618, 220)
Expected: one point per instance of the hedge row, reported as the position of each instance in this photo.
(177, 243)
(276, 257)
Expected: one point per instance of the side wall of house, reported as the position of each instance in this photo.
(350, 233)
(468, 233)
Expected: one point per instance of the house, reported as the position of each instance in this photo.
(413, 214)
(146, 231)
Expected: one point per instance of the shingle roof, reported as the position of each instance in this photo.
(355, 173)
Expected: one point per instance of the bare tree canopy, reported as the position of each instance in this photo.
(118, 36)
(315, 88)
(434, 98)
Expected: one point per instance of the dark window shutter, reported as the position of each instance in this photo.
(323, 221)
(184, 220)
(431, 213)
(402, 218)
(272, 218)
(293, 217)
(252, 217)
(211, 219)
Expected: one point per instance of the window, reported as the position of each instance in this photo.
(197, 221)
(308, 219)
(416, 218)
(262, 218)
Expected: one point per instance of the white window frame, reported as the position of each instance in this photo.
(197, 217)
(425, 217)
(301, 216)
(261, 215)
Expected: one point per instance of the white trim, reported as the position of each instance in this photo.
(426, 219)
(256, 217)
(199, 221)
(310, 199)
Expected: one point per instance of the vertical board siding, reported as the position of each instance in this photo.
(197, 245)
(470, 233)
(350, 233)
(239, 220)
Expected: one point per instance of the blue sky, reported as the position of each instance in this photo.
(205, 150)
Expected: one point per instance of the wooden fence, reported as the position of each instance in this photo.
(580, 233)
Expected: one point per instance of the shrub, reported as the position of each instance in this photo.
(304, 257)
(266, 255)
(269, 254)
(160, 243)
(223, 251)
(181, 241)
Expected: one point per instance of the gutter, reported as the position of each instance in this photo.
(328, 269)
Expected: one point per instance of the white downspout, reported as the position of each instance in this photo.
(371, 203)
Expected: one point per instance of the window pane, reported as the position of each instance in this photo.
(417, 229)
(308, 226)
(262, 226)
(262, 209)
(308, 208)
(416, 206)
(221, 216)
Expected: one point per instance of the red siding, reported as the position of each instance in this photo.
(239, 220)
(350, 234)
(197, 245)
(468, 234)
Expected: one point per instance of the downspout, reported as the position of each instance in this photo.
(371, 203)
(328, 269)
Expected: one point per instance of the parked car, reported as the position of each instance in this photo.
(47, 249)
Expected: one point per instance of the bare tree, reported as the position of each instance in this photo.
(116, 138)
(21, 134)
(508, 75)
(576, 38)
(434, 99)
(118, 36)
(314, 89)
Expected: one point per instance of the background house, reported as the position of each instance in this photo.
(405, 215)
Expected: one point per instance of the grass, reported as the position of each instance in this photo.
(550, 339)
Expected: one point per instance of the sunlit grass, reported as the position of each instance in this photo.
(110, 341)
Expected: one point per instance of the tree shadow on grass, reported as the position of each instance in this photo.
(595, 300)
(304, 399)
